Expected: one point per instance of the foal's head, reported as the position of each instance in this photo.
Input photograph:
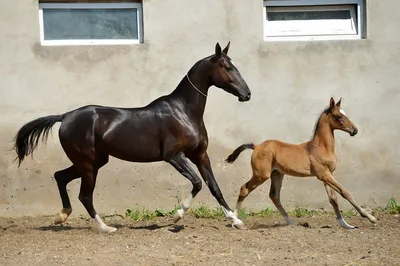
(338, 119)
(226, 76)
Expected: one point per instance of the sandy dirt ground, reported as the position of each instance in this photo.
(312, 241)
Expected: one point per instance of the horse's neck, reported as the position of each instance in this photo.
(324, 136)
(191, 89)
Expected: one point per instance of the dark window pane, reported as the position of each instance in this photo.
(309, 15)
(84, 24)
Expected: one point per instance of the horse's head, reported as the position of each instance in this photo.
(339, 120)
(226, 76)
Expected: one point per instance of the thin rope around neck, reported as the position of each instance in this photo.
(202, 93)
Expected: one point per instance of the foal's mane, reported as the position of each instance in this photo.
(325, 111)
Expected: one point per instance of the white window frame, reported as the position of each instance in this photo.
(137, 6)
(271, 28)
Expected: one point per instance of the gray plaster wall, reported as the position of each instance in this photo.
(291, 83)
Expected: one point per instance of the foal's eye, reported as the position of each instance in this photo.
(228, 69)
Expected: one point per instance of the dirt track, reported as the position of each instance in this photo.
(32, 241)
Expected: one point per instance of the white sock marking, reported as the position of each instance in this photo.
(103, 226)
(100, 222)
(187, 202)
(233, 216)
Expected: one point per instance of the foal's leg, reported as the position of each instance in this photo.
(275, 194)
(333, 200)
(63, 177)
(331, 181)
(256, 180)
(181, 164)
(203, 164)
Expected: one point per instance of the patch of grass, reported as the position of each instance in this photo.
(204, 212)
(393, 206)
(349, 213)
(207, 213)
(263, 213)
(302, 212)
(140, 215)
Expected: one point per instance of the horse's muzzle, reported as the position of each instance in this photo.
(245, 98)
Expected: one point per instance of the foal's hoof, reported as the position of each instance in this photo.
(372, 219)
(345, 225)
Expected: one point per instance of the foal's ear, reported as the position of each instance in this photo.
(217, 50)
(226, 49)
(339, 102)
(332, 103)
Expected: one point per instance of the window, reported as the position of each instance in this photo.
(313, 19)
(90, 23)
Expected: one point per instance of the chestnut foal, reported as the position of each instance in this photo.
(274, 159)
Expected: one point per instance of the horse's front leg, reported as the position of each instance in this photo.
(203, 164)
(181, 164)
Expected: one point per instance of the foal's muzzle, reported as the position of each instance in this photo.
(354, 132)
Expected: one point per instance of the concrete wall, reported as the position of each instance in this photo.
(291, 83)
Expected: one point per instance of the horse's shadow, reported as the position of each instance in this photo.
(262, 226)
(174, 228)
(266, 226)
(61, 228)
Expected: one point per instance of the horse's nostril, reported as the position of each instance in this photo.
(249, 94)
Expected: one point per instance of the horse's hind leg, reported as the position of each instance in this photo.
(275, 194)
(89, 174)
(333, 200)
(63, 177)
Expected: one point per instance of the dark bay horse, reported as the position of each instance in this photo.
(273, 159)
(170, 129)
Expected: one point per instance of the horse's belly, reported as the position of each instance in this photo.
(133, 150)
(137, 155)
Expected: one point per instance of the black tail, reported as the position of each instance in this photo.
(28, 136)
(231, 158)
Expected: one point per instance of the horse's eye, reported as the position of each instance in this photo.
(228, 69)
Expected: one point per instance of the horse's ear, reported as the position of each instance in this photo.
(217, 50)
(332, 103)
(226, 49)
(339, 102)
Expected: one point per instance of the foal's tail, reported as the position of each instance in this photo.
(231, 158)
(28, 136)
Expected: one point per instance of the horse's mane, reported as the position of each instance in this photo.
(325, 111)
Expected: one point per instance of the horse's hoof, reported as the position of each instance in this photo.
(60, 218)
(177, 217)
(57, 219)
(239, 226)
(108, 229)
